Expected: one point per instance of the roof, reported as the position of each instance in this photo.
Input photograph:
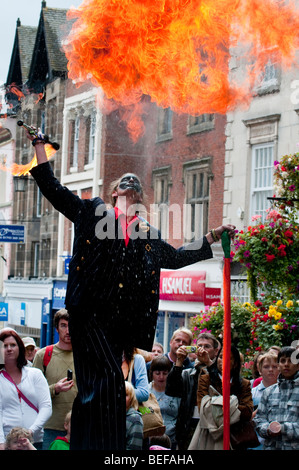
(26, 40)
(21, 54)
(37, 55)
(56, 28)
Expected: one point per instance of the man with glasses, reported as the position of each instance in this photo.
(182, 383)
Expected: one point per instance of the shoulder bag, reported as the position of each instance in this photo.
(153, 424)
(243, 435)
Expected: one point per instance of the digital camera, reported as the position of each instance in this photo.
(191, 349)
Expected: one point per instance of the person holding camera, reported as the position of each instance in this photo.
(180, 337)
(57, 363)
(182, 383)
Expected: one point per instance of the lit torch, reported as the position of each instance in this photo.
(36, 133)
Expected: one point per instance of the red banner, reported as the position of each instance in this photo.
(182, 286)
(212, 294)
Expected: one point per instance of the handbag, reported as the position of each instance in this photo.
(153, 424)
(243, 435)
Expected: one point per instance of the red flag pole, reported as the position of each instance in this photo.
(226, 341)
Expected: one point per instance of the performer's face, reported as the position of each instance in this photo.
(130, 181)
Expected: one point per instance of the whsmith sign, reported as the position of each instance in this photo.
(12, 233)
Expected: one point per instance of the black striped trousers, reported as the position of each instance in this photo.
(99, 410)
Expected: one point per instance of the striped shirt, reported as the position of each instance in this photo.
(280, 402)
(134, 430)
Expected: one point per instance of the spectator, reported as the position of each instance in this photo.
(181, 337)
(63, 391)
(134, 370)
(157, 350)
(24, 394)
(160, 442)
(256, 376)
(134, 423)
(30, 349)
(63, 442)
(211, 384)
(256, 381)
(169, 406)
(277, 418)
(268, 368)
(19, 439)
(182, 383)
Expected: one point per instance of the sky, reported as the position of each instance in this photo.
(29, 12)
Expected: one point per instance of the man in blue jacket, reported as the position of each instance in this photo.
(112, 296)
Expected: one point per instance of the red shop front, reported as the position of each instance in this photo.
(183, 294)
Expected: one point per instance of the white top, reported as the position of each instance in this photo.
(15, 412)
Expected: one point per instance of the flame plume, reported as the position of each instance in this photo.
(23, 170)
(178, 51)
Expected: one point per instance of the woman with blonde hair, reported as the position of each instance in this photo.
(134, 423)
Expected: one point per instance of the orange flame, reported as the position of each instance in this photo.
(22, 170)
(15, 90)
(177, 51)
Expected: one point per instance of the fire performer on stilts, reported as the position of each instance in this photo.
(112, 296)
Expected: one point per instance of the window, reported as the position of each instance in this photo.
(262, 178)
(196, 178)
(45, 256)
(200, 123)
(52, 119)
(35, 260)
(90, 139)
(38, 202)
(270, 79)
(161, 182)
(75, 146)
(164, 124)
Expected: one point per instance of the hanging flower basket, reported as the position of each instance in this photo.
(269, 254)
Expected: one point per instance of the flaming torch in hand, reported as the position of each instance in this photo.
(50, 149)
(38, 135)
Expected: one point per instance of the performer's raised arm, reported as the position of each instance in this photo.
(39, 144)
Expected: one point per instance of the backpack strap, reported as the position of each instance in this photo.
(47, 356)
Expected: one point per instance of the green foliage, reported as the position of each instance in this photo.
(269, 253)
(211, 321)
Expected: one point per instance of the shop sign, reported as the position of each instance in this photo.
(182, 286)
(12, 233)
(212, 294)
(59, 292)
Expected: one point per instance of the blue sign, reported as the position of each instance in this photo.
(12, 233)
(59, 292)
(67, 260)
(3, 311)
(23, 314)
